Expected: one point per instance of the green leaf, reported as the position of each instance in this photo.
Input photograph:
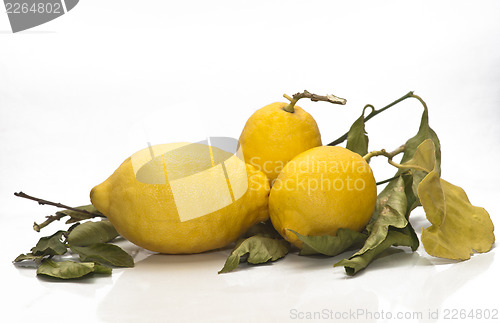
(29, 257)
(330, 245)
(393, 238)
(50, 246)
(458, 228)
(411, 146)
(70, 269)
(390, 211)
(101, 269)
(390, 226)
(105, 253)
(79, 216)
(424, 132)
(89, 233)
(65, 269)
(259, 249)
(357, 140)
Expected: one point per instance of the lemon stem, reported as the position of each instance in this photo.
(313, 97)
(390, 156)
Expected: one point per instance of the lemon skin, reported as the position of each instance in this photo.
(321, 190)
(272, 137)
(146, 214)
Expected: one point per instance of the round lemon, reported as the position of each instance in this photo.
(272, 137)
(321, 190)
(183, 198)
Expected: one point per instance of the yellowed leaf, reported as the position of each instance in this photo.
(425, 159)
(458, 227)
(425, 156)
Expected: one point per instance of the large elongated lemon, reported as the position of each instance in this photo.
(183, 198)
(321, 190)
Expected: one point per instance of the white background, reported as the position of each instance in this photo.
(83, 92)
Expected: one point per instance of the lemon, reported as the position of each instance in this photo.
(183, 198)
(321, 190)
(272, 136)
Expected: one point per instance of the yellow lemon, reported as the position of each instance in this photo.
(321, 190)
(272, 136)
(183, 198)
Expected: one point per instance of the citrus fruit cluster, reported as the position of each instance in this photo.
(189, 198)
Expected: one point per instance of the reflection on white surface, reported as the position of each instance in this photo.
(188, 288)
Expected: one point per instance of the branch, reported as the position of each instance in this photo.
(59, 205)
(51, 218)
(59, 215)
(374, 112)
(387, 180)
(313, 97)
(390, 156)
(382, 152)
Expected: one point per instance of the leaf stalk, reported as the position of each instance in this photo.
(375, 112)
